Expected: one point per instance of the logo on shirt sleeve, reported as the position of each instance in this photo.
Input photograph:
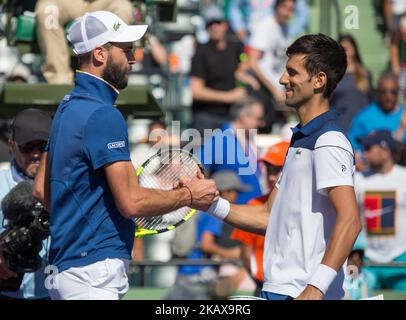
(116, 144)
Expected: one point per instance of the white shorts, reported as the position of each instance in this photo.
(103, 280)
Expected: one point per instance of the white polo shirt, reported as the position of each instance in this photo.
(302, 216)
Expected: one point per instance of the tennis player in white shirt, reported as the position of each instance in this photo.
(311, 218)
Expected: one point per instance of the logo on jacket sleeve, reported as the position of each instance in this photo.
(116, 144)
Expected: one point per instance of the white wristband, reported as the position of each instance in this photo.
(220, 208)
(323, 277)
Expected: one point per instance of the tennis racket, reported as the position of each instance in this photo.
(162, 171)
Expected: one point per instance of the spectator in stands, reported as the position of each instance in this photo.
(354, 91)
(398, 55)
(385, 114)
(208, 244)
(245, 15)
(233, 148)
(229, 184)
(393, 10)
(152, 58)
(267, 56)
(143, 149)
(156, 248)
(358, 283)
(29, 134)
(381, 193)
(151, 55)
(252, 248)
(212, 77)
(193, 278)
(52, 16)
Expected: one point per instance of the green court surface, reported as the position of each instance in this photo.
(148, 293)
(392, 295)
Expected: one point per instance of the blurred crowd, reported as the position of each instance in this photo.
(229, 69)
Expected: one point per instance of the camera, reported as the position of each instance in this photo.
(21, 241)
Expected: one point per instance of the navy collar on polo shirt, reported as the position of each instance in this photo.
(315, 123)
(95, 87)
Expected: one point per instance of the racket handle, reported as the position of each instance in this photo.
(220, 208)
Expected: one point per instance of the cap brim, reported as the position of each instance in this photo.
(32, 137)
(131, 33)
(364, 141)
(270, 162)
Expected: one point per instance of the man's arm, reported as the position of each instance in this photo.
(251, 218)
(394, 53)
(387, 14)
(41, 187)
(346, 229)
(135, 201)
(400, 132)
(345, 232)
(208, 245)
(254, 58)
(301, 20)
(203, 93)
(236, 18)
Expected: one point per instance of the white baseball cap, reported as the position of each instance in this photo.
(100, 27)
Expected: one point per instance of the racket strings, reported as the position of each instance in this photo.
(161, 173)
(166, 182)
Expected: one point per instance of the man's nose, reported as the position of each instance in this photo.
(283, 79)
(131, 58)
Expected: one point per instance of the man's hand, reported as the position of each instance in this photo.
(236, 94)
(5, 273)
(310, 293)
(204, 191)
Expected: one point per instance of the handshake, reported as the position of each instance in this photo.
(203, 192)
(204, 195)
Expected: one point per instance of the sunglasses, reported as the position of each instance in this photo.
(391, 92)
(30, 147)
(273, 170)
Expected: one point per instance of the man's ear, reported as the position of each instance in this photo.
(11, 145)
(100, 55)
(319, 81)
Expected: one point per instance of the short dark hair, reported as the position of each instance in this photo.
(86, 58)
(238, 107)
(323, 54)
(279, 2)
(388, 75)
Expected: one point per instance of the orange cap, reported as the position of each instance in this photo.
(276, 154)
